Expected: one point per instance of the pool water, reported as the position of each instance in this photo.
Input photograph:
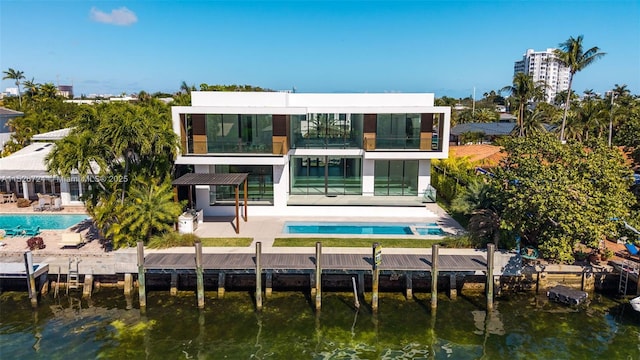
(363, 228)
(47, 222)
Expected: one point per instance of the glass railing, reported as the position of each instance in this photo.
(395, 143)
(325, 143)
(206, 147)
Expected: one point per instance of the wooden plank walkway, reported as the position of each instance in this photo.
(304, 262)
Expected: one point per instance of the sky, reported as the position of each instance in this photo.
(450, 48)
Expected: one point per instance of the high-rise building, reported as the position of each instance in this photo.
(543, 66)
(65, 91)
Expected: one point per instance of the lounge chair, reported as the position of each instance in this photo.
(632, 249)
(40, 206)
(31, 231)
(57, 204)
(16, 231)
(71, 239)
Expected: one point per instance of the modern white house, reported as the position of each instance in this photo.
(544, 67)
(313, 154)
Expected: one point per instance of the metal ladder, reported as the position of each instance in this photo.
(626, 268)
(73, 277)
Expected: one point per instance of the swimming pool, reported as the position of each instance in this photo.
(361, 228)
(46, 222)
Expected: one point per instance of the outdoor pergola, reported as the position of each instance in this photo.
(234, 180)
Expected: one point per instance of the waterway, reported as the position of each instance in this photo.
(108, 326)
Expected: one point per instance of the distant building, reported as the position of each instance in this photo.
(11, 91)
(544, 67)
(65, 91)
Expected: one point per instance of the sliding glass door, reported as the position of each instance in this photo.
(396, 178)
(326, 175)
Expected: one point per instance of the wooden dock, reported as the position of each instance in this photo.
(265, 267)
(303, 263)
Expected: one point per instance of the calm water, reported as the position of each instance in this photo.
(52, 222)
(522, 327)
(359, 228)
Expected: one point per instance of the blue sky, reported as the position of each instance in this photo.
(444, 47)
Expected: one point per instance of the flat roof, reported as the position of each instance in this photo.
(211, 179)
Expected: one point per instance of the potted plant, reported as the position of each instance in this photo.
(606, 254)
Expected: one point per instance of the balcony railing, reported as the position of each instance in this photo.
(325, 143)
(395, 143)
(207, 147)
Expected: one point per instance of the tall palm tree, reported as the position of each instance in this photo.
(79, 151)
(572, 55)
(524, 89)
(31, 87)
(17, 76)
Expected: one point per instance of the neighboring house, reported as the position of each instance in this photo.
(25, 172)
(314, 154)
(483, 157)
(5, 116)
(487, 131)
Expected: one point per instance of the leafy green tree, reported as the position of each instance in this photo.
(572, 55)
(556, 195)
(15, 75)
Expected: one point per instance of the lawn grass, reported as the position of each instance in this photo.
(226, 242)
(355, 242)
(173, 239)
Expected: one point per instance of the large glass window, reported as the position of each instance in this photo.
(325, 175)
(396, 178)
(232, 133)
(259, 183)
(322, 131)
(398, 131)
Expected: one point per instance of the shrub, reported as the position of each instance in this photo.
(22, 202)
(35, 243)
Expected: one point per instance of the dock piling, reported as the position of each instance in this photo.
(142, 296)
(490, 252)
(356, 302)
(128, 284)
(377, 260)
(453, 286)
(408, 275)
(259, 276)
(173, 290)
(199, 275)
(318, 275)
(221, 281)
(268, 284)
(87, 287)
(434, 275)
(31, 280)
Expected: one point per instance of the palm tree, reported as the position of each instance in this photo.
(151, 210)
(48, 91)
(31, 87)
(533, 123)
(573, 56)
(524, 89)
(17, 76)
(79, 152)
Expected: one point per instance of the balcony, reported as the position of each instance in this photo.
(405, 143)
(192, 147)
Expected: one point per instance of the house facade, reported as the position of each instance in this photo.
(309, 154)
(25, 174)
